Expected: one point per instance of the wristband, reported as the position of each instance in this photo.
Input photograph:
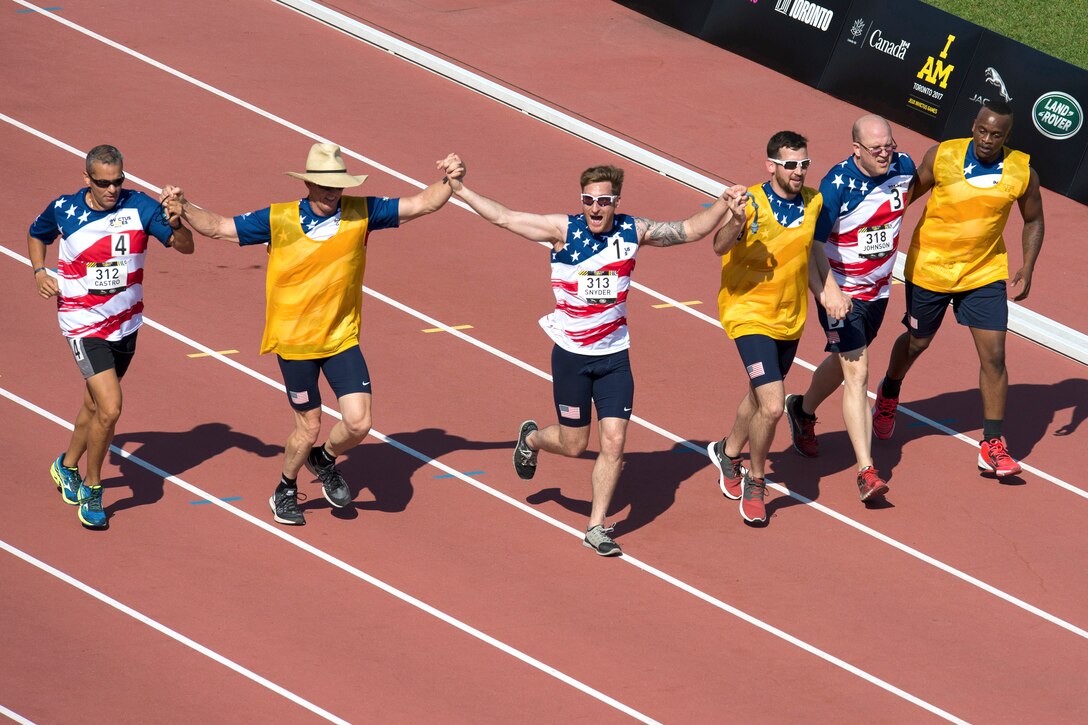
(38, 269)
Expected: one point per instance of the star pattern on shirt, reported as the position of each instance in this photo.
(844, 208)
(71, 212)
(310, 224)
(596, 247)
(625, 225)
(850, 184)
(58, 203)
(865, 187)
(575, 255)
(84, 216)
(577, 234)
(838, 179)
(968, 169)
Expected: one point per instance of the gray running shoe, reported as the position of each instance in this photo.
(285, 510)
(524, 456)
(333, 485)
(598, 539)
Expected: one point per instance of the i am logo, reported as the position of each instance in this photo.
(935, 72)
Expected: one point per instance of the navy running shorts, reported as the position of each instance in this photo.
(765, 359)
(985, 308)
(346, 372)
(95, 355)
(604, 380)
(859, 328)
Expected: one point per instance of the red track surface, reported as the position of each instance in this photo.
(355, 650)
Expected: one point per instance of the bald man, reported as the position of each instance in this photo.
(865, 198)
(957, 255)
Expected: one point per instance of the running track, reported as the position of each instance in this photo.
(453, 591)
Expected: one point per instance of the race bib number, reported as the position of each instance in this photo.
(106, 278)
(598, 287)
(875, 242)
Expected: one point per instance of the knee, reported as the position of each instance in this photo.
(307, 429)
(107, 414)
(918, 345)
(357, 426)
(573, 446)
(612, 444)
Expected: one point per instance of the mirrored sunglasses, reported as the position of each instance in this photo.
(602, 200)
(792, 164)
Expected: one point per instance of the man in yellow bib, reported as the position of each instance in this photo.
(957, 255)
(768, 261)
(313, 291)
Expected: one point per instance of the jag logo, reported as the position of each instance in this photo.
(1057, 115)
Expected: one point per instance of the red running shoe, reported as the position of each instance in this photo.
(870, 484)
(752, 507)
(802, 428)
(730, 471)
(993, 456)
(884, 414)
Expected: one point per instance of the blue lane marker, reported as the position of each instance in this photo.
(32, 10)
(467, 473)
(946, 421)
(226, 498)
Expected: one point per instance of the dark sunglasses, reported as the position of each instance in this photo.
(106, 183)
(602, 200)
(791, 165)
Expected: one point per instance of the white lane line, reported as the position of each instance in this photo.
(842, 518)
(324, 556)
(163, 629)
(418, 184)
(14, 716)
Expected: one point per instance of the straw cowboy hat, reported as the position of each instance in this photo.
(325, 166)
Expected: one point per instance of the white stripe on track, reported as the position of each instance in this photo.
(313, 550)
(143, 618)
(418, 184)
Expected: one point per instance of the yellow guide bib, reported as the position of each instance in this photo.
(313, 289)
(765, 276)
(957, 244)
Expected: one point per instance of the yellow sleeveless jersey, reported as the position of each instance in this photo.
(765, 276)
(313, 289)
(957, 244)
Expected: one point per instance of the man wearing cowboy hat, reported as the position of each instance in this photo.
(313, 291)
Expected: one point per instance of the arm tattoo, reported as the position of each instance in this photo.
(664, 234)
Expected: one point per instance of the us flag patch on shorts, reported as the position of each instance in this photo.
(298, 398)
(570, 411)
(755, 370)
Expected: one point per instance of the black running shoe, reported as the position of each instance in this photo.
(524, 456)
(333, 484)
(285, 510)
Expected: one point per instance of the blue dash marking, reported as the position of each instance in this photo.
(466, 473)
(34, 10)
(225, 498)
(947, 421)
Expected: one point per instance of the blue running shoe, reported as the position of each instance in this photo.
(67, 480)
(90, 507)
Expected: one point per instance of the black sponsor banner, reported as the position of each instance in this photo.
(1048, 98)
(686, 15)
(794, 37)
(904, 60)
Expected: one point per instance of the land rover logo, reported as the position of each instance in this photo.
(1057, 115)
